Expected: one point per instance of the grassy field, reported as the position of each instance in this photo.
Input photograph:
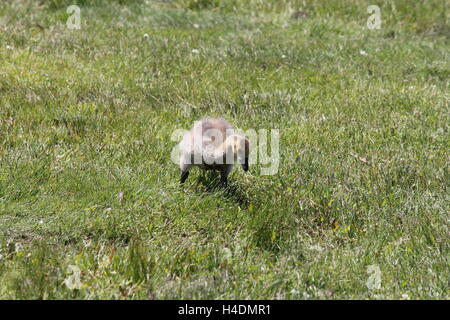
(90, 202)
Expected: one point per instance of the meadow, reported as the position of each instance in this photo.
(90, 202)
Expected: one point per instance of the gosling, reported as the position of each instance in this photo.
(212, 145)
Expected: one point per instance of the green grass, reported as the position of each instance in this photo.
(86, 180)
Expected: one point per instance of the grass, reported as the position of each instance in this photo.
(89, 196)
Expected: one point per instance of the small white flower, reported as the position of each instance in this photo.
(8, 47)
(196, 26)
(17, 247)
(41, 221)
(405, 296)
(146, 36)
(362, 52)
(283, 56)
(195, 51)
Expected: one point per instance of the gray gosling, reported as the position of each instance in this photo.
(212, 145)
